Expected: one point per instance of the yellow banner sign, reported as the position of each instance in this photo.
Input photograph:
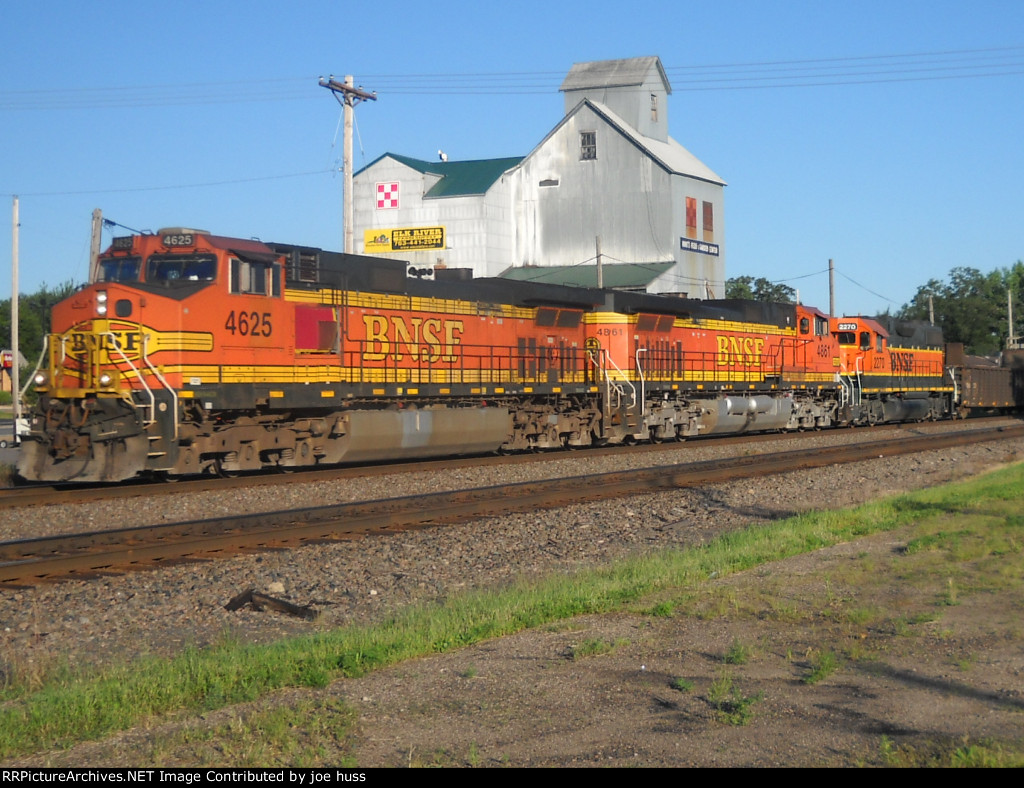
(403, 239)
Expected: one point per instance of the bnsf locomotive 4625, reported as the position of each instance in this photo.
(195, 353)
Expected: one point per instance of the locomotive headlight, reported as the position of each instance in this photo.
(39, 379)
(101, 302)
(105, 380)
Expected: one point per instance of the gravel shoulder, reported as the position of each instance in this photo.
(522, 701)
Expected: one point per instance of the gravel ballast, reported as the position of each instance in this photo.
(163, 611)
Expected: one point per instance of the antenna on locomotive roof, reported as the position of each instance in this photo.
(348, 96)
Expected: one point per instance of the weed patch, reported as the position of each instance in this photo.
(595, 647)
(823, 664)
(951, 754)
(738, 654)
(681, 684)
(731, 705)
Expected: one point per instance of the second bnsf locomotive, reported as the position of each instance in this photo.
(193, 353)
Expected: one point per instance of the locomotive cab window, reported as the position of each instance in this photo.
(879, 343)
(119, 269)
(865, 340)
(171, 268)
(805, 325)
(847, 338)
(255, 277)
(820, 326)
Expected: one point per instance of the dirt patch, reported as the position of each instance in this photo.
(725, 687)
(668, 694)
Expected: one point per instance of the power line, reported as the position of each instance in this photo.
(129, 190)
(943, 65)
(866, 289)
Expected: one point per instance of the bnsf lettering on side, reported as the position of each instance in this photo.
(422, 339)
(739, 351)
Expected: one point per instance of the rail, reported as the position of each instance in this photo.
(65, 556)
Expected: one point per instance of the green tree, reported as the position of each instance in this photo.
(758, 289)
(34, 311)
(970, 307)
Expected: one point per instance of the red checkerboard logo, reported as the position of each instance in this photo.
(387, 195)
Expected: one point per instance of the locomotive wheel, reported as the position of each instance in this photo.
(219, 470)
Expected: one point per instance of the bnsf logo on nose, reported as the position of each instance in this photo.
(124, 341)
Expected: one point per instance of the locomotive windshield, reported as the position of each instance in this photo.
(170, 268)
(119, 269)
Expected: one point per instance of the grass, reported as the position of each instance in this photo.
(962, 754)
(731, 705)
(305, 734)
(822, 665)
(80, 703)
(681, 684)
(595, 647)
(737, 654)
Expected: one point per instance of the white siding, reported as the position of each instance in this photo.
(476, 226)
(633, 195)
(620, 196)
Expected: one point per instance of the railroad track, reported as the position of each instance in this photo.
(46, 494)
(80, 556)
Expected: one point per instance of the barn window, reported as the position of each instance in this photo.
(654, 107)
(709, 217)
(588, 145)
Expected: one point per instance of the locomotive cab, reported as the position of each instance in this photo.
(862, 344)
(111, 378)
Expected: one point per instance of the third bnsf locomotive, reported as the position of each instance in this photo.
(193, 353)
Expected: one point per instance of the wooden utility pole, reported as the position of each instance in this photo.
(1010, 340)
(831, 288)
(15, 378)
(94, 245)
(348, 96)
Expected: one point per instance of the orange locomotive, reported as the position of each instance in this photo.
(892, 379)
(195, 353)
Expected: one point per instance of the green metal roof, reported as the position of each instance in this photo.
(622, 276)
(458, 178)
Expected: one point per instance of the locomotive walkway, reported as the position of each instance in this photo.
(86, 555)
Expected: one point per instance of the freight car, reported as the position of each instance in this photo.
(194, 353)
(985, 385)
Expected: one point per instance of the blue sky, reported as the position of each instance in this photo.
(884, 135)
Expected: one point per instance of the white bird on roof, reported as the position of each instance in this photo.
(442, 155)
